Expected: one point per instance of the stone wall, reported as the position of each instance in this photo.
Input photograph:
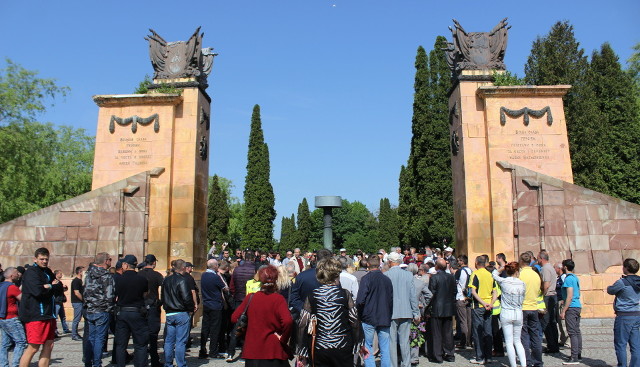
(110, 219)
(596, 230)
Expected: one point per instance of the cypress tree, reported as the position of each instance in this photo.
(413, 227)
(558, 59)
(287, 233)
(615, 98)
(304, 225)
(425, 195)
(259, 199)
(435, 188)
(388, 225)
(218, 213)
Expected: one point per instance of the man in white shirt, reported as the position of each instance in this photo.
(348, 281)
(463, 311)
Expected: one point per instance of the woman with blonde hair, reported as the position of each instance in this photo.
(284, 281)
(328, 328)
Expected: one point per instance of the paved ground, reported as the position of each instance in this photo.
(597, 351)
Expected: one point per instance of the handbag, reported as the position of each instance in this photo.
(241, 325)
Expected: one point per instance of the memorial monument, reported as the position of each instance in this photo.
(150, 174)
(512, 178)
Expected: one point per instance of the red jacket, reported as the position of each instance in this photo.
(268, 314)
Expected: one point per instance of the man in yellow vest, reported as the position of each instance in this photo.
(531, 328)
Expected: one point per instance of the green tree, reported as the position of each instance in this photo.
(425, 194)
(40, 164)
(354, 227)
(557, 58)
(388, 225)
(615, 98)
(23, 95)
(259, 199)
(218, 214)
(413, 227)
(288, 233)
(304, 225)
(634, 69)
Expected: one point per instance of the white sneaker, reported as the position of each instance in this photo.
(477, 361)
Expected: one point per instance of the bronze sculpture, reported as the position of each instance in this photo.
(477, 50)
(173, 60)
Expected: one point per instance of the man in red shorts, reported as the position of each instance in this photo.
(37, 308)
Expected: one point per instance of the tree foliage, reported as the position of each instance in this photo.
(287, 233)
(615, 98)
(23, 95)
(40, 164)
(304, 225)
(218, 212)
(425, 194)
(388, 225)
(600, 144)
(259, 199)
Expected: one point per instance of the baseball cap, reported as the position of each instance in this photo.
(188, 265)
(403, 265)
(448, 249)
(150, 259)
(130, 259)
(343, 250)
(395, 257)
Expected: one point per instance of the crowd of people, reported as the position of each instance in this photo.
(314, 308)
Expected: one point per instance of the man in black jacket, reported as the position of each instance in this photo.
(152, 302)
(177, 302)
(306, 283)
(443, 302)
(37, 308)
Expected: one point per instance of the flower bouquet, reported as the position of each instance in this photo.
(416, 334)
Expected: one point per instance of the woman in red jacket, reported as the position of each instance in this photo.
(269, 325)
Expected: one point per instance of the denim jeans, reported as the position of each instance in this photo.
(482, 335)
(12, 330)
(98, 326)
(63, 317)
(383, 344)
(626, 330)
(399, 334)
(175, 341)
(77, 315)
(531, 337)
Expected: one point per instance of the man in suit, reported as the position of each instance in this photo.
(443, 287)
(301, 263)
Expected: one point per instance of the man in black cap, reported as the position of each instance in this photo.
(131, 313)
(152, 302)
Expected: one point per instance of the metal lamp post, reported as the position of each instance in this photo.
(327, 203)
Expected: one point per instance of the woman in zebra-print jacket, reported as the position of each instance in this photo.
(338, 336)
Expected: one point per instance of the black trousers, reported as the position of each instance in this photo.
(442, 337)
(550, 323)
(211, 321)
(153, 322)
(134, 324)
(498, 338)
(334, 357)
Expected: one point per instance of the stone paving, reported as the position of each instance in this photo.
(597, 351)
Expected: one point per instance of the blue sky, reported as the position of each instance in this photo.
(334, 79)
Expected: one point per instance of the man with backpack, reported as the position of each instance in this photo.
(463, 311)
(626, 329)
